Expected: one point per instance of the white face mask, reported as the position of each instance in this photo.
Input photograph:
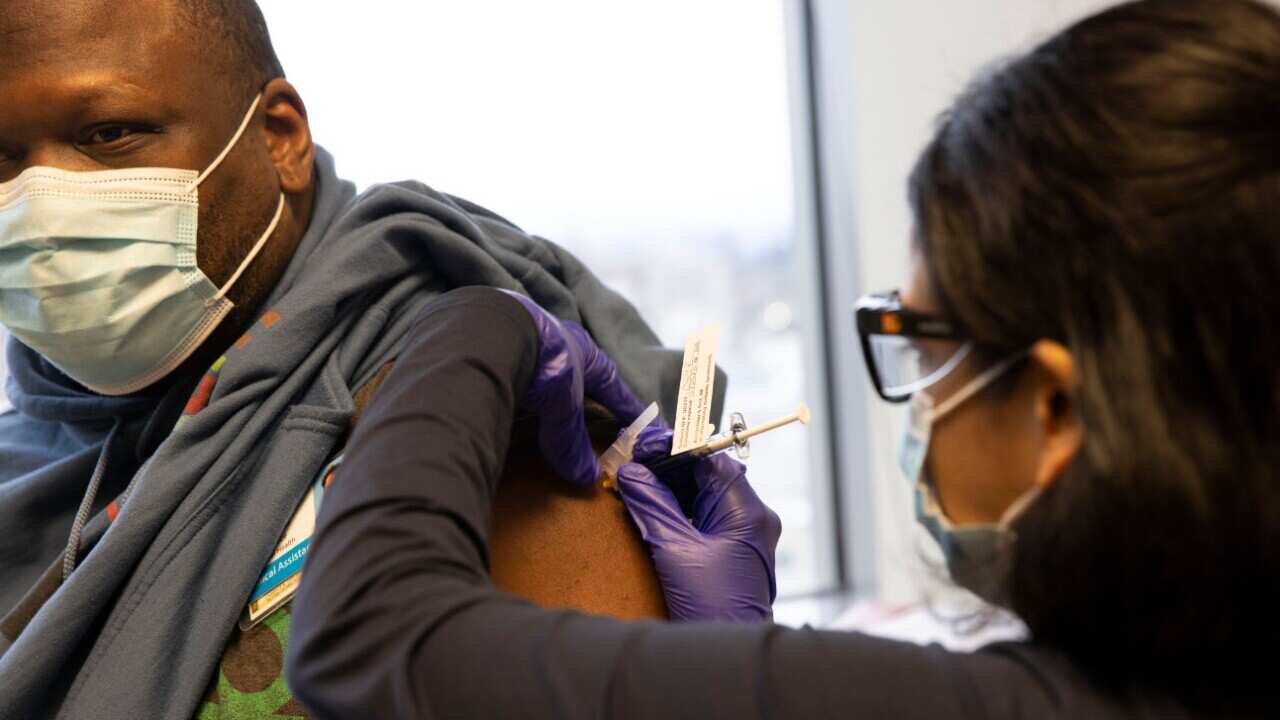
(98, 270)
(977, 555)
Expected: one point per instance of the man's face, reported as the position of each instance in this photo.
(96, 85)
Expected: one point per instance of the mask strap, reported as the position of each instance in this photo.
(257, 247)
(1019, 506)
(956, 358)
(975, 386)
(1011, 513)
(931, 506)
(244, 124)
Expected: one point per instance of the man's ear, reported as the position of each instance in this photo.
(1056, 410)
(288, 135)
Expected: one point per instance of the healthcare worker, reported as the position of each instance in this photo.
(1088, 342)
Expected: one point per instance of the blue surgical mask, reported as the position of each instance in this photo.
(977, 556)
(98, 270)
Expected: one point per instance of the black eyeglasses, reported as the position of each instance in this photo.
(896, 346)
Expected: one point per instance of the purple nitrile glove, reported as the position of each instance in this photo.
(720, 565)
(569, 368)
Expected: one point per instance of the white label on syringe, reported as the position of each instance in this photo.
(697, 383)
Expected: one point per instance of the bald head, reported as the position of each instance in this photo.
(234, 32)
(226, 41)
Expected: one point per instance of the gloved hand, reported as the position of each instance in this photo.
(570, 366)
(720, 564)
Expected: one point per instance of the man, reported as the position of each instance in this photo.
(171, 413)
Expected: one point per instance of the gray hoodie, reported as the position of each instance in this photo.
(137, 629)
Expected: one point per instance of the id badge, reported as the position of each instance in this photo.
(282, 575)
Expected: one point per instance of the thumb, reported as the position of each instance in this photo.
(654, 508)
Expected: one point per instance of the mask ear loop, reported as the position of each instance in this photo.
(275, 221)
(1019, 506)
(257, 247)
(937, 412)
(920, 385)
(244, 125)
(975, 386)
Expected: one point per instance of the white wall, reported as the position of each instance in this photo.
(909, 60)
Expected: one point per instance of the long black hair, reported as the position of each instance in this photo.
(1117, 189)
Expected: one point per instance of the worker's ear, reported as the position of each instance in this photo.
(1055, 409)
(288, 136)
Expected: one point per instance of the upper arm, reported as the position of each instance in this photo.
(563, 547)
(558, 546)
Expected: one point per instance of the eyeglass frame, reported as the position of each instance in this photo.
(883, 314)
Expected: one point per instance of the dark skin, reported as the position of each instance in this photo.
(96, 85)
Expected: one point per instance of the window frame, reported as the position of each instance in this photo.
(820, 73)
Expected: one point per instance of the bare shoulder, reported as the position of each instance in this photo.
(558, 546)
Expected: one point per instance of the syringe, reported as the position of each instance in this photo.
(724, 441)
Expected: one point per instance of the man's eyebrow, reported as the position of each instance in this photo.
(69, 102)
(101, 92)
(95, 85)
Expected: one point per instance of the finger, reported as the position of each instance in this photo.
(562, 433)
(601, 379)
(730, 509)
(653, 443)
(725, 500)
(717, 471)
(653, 507)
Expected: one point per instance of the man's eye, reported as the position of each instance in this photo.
(108, 134)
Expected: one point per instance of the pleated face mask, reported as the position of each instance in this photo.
(98, 270)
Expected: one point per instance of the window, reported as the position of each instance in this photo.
(653, 140)
(4, 371)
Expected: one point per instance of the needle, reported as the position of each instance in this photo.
(719, 443)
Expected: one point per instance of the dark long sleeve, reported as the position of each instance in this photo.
(396, 617)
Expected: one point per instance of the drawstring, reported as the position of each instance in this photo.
(86, 504)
